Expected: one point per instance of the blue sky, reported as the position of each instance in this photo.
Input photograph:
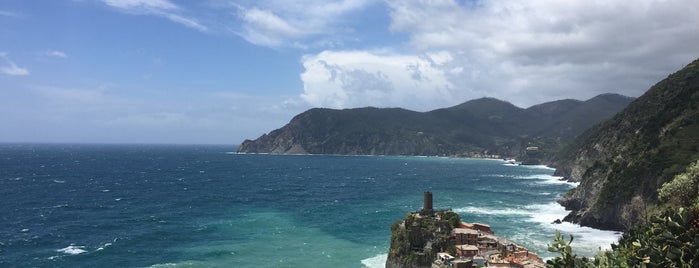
(219, 71)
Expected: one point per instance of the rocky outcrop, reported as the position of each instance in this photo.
(482, 126)
(621, 163)
(416, 240)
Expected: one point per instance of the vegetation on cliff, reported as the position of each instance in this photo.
(478, 126)
(623, 162)
(667, 239)
(416, 240)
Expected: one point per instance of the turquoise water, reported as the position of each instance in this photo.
(203, 206)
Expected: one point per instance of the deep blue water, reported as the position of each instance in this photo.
(202, 206)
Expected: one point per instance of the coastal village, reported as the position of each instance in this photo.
(438, 238)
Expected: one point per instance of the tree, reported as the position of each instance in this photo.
(683, 189)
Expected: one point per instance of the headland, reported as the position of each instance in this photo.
(438, 238)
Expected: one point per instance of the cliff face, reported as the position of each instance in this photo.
(621, 163)
(482, 125)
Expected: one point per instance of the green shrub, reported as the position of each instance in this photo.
(668, 240)
(683, 190)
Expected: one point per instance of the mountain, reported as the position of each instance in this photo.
(480, 126)
(622, 162)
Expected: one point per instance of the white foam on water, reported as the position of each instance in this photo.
(104, 246)
(586, 240)
(72, 250)
(378, 261)
(547, 179)
(59, 181)
(538, 167)
(491, 211)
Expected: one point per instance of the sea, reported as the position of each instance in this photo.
(84, 205)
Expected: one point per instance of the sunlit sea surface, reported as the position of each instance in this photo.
(204, 206)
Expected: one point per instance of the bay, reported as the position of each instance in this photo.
(203, 206)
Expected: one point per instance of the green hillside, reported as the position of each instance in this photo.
(478, 127)
(623, 162)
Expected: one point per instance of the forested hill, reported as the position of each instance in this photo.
(622, 163)
(481, 126)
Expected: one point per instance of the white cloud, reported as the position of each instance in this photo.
(278, 23)
(262, 27)
(523, 52)
(343, 79)
(10, 68)
(56, 53)
(142, 4)
(534, 51)
(161, 8)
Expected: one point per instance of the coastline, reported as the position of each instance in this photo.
(588, 240)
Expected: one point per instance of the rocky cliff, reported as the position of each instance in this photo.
(416, 240)
(479, 126)
(621, 163)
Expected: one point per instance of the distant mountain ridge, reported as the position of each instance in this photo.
(481, 126)
(623, 162)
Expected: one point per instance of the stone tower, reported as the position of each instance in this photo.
(427, 208)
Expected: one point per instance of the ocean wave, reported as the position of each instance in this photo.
(103, 246)
(377, 261)
(538, 167)
(547, 179)
(586, 239)
(491, 211)
(72, 250)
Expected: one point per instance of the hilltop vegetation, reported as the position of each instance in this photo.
(481, 126)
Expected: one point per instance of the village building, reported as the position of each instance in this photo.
(463, 236)
(475, 244)
(467, 250)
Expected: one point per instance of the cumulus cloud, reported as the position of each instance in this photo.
(10, 68)
(342, 79)
(161, 8)
(278, 23)
(524, 52)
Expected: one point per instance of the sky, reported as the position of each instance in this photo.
(221, 71)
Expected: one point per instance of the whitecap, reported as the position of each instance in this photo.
(104, 246)
(547, 179)
(59, 181)
(491, 211)
(538, 167)
(378, 261)
(72, 250)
